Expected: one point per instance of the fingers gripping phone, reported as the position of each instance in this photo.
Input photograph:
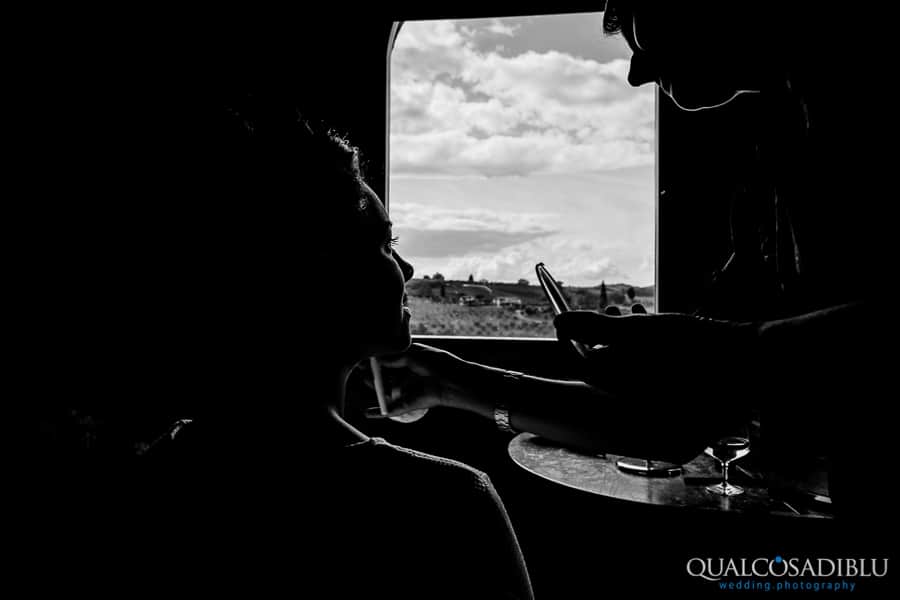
(557, 300)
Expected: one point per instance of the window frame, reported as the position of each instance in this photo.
(503, 345)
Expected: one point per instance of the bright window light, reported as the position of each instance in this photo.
(515, 141)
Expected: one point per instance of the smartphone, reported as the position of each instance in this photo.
(557, 300)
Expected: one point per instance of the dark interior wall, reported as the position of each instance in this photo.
(116, 236)
(117, 229)
(106, 217)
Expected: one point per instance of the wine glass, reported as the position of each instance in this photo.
(381, 392)
(725, 451)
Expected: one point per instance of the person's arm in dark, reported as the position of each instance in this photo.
(572, 413)
(841, 332)
(693, 382)
(582, 416)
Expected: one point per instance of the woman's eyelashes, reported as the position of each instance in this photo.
(391, 243)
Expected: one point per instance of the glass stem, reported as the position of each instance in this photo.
(724, 475)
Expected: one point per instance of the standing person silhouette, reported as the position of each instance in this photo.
(806, 356)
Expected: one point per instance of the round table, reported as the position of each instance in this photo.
(598, 474)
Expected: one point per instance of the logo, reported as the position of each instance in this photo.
(791, 573)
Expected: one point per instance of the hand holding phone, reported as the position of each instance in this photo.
(557, 300)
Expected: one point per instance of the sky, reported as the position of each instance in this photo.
(518, 140)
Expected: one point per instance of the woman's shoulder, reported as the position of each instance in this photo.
(199, 452)
(396, 461)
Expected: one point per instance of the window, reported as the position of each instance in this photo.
(515, 141)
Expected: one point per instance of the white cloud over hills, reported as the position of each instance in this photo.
(515, 141)
(458, 110)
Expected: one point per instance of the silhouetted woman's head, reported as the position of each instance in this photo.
(359, 282)
(701, 53)
(317, 238)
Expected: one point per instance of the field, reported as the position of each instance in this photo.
(437, 316)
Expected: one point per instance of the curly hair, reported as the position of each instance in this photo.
(612, 23)
(279, 175)
(273, 134)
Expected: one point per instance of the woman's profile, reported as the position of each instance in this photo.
(269, 482)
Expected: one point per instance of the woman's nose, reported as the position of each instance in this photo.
(642, 70)
(405, 267)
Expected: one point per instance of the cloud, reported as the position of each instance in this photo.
(499, 28)
(430, 35)
(519, 128)
(410, 215)
(441, 232)
(456, 110)
(582, 262)
(442, 243)
(567, 260)
(602, 270)
(555, 76)
(549, 151)
(425, 49)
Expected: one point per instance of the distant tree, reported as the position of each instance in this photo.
(438, 277)
(483, 281)
(427, 277)
(630, 293)
(603, 299)
(471, 278)
(522, 282)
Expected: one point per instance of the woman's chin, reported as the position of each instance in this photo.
(405, 334)
(401, 344)
(402, 340)
(693, 98)
(393, 341)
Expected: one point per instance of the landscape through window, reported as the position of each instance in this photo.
(515, 141)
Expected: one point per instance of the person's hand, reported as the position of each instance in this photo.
(676, 353)
(420, 378)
